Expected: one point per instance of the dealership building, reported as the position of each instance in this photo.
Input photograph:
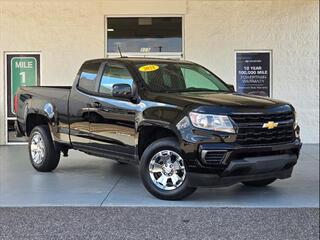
(268, 48)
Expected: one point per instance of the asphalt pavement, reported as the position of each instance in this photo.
(158, 223)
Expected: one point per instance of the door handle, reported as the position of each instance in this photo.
(97, 105)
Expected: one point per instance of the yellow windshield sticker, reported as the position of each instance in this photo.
(148, 68)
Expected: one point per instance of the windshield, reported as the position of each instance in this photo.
(179, 77)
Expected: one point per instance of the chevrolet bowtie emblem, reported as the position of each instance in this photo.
(270, 125)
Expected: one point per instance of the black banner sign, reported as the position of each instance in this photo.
(253, 73)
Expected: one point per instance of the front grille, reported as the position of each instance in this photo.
(262, 118)
(250, 131)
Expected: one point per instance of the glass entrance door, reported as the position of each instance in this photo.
(21, 69)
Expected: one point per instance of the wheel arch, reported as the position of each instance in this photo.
(149, 133)
(35, 119)
(43, 113)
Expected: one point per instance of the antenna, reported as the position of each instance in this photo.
(119, 51)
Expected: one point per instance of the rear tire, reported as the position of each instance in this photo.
(44, 155)
(162, 160)
(260, 183)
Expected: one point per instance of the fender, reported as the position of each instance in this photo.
(42, 108)
(45, 109)
(161, 124)
(161, 116)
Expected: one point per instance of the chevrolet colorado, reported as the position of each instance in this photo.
(178, 121)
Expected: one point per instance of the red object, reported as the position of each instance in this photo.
(15, 105)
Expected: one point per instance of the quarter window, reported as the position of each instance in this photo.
(88, 76)
(115, 74)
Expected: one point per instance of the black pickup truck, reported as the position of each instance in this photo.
(178, 121)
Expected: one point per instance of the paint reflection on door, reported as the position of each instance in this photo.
(112, 121)
(79, 100)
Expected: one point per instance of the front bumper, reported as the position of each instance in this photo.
(243, 163)
(246, 170)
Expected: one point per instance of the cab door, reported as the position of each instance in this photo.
(112, 120)
(79, 111)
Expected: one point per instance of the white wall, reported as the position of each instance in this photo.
(289, 28)
(68, 32)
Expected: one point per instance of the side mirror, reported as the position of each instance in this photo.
(122, 91)
(231, 87)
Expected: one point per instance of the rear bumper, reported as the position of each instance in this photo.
(243, 163)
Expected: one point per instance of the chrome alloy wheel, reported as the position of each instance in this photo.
(167, 170)
(37, 148)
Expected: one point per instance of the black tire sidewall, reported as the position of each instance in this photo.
(162, 144)
(51, 155)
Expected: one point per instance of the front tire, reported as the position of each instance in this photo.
(43, 154)
(163, 171)
(260, 183)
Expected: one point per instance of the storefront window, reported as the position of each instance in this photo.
(144, 34)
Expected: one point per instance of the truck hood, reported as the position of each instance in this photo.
(223, 102)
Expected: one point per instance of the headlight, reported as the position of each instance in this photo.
(212, 122)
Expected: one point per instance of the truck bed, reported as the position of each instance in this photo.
(48, 91)
(52, 93)
(37, 97)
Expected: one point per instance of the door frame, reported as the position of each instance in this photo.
(6, 118)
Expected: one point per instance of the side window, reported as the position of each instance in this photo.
(195, 79)
(114, 74)
(88, 76)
